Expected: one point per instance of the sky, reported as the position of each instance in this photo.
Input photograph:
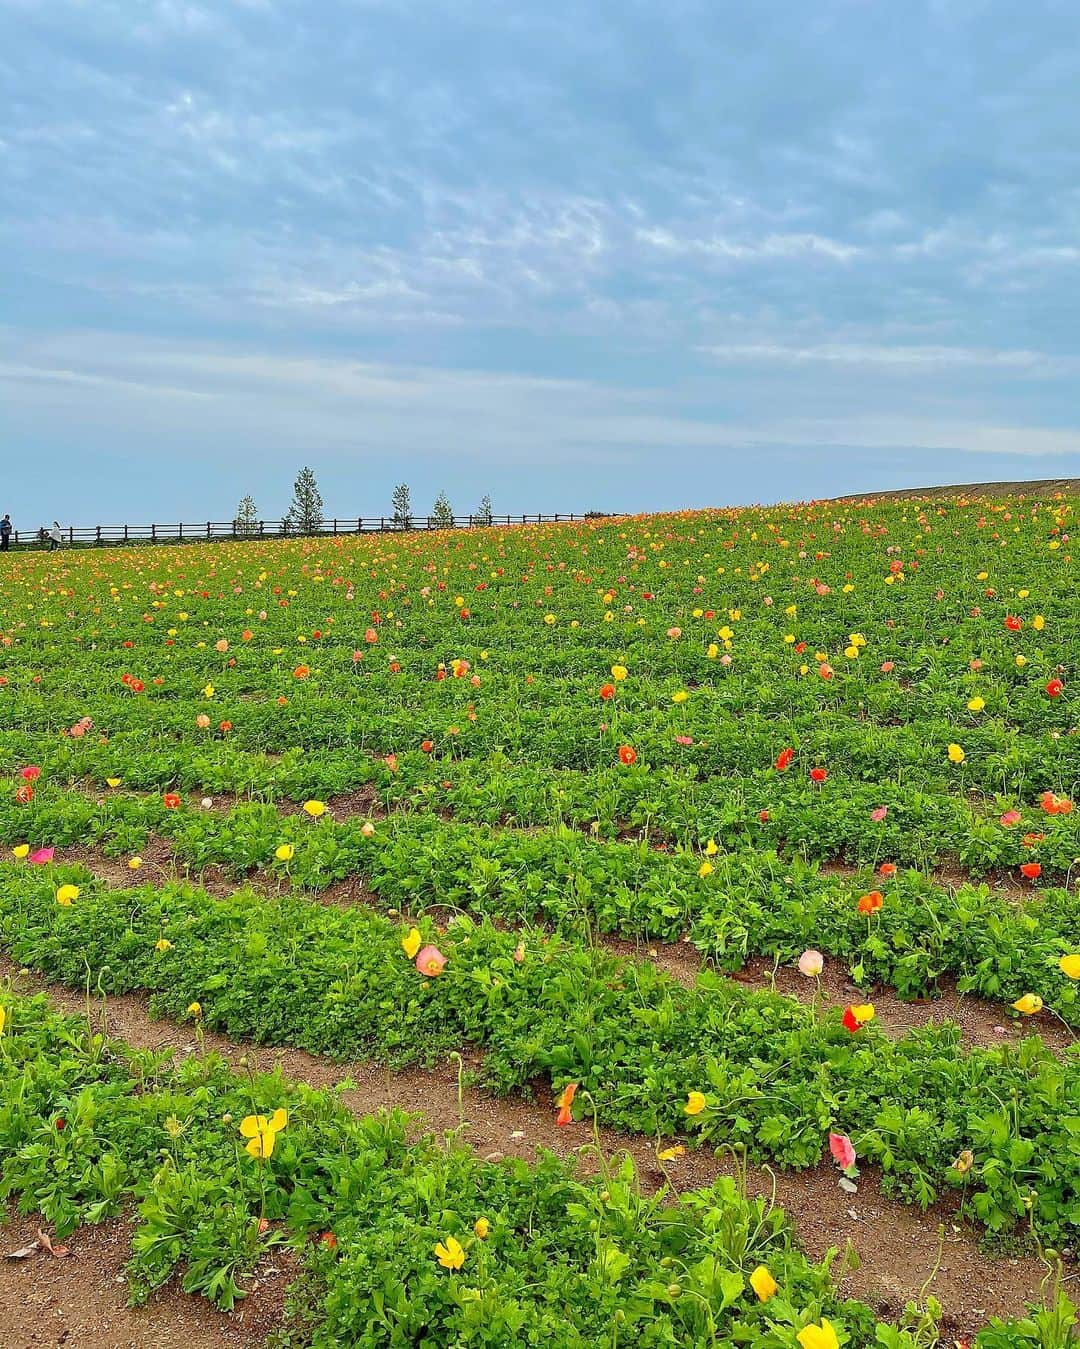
(615, 256)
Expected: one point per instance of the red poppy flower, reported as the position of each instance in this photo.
(887, 869)
(24, 794)
(31, 772)
(1013, 623)
(783, 760)
(627, 755)
(427, 746)
(61, 1124)
(136, 685)
(1032, 870)
(871, 902)
(1009, 818)
(565, 1101)
(848, 1021)
(171, 800)
(818, 774)
(607, 691)
(1054, 688)
(763, 816)
(329, 1241)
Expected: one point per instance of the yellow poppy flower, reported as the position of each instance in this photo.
(163, 944)
(194, 1009)
(695, 1103)
(1029, 1004)
(706, 869)
(112, 782)
(956, 754)
(412, 942)
(863, 1012)
(763, 1283)
(66, 894)
(134, 863)
(976, 704)
(450, 1253)
(680, 697)
(261, 1132)
(710, 848)
(481, 1227)
(315, 808)
(208, 691)
(670, 1154)
(618, 672)
(818, 1337)
(1070, 966)
(284, 852)
(20, 850)
(3, 1019)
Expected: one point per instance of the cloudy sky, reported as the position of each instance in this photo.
(626, 254)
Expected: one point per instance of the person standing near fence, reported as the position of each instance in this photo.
(56, 536)
(5, 534)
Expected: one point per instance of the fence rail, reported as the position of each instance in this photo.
(90, 536)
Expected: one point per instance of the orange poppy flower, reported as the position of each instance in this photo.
(565, 1101)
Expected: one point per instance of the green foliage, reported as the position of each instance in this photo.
(306, 511)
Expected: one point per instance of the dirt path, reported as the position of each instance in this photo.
(81, 1302)
(896, 1244)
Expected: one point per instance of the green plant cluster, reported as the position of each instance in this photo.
(754, 902)
(777, 1076)
(90, 1128)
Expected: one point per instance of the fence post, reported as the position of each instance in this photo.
(382, 523)
(125, 533)
(359, 524)
(260, 529)
(98, 540)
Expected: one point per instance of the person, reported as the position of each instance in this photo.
(5, 533)
(56, 536)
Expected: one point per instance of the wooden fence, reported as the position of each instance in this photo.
(91, 536)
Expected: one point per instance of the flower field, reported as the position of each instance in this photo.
(744, 830)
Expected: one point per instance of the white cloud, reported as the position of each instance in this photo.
(905, 359)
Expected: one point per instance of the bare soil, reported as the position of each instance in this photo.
(81, 1302)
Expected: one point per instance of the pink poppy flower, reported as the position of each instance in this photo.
(31, 773)
(1010, 818)
(842, 1150)
(430, 961)
(811, 963)
(42, 856)
(879, 813)
(684, 740)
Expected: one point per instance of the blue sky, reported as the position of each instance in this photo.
(618, 255)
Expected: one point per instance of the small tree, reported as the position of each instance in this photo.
(482, 514)
(247, 518)
(306, 512)
(442, 513)
(401, 501)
